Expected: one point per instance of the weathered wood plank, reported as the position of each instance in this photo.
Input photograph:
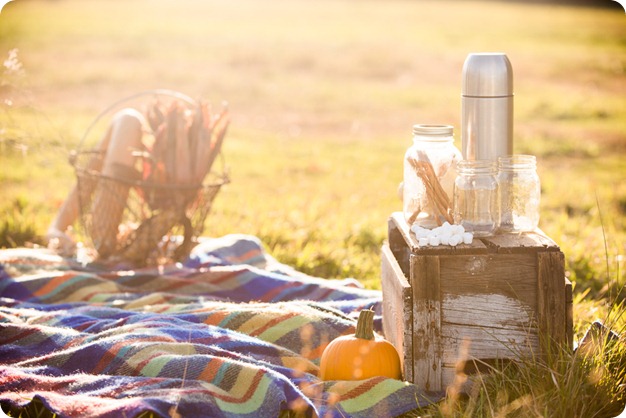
(569, 314)
(488, 342)
(486, 310)
(398, 221)
(398, 310)
(511, 275)
(496, 325)
(398, 245)
(520, 243)
(551, 305)
(427, 349)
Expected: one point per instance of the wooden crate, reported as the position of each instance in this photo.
(497, 299)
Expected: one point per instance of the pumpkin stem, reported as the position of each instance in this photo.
(365, 325)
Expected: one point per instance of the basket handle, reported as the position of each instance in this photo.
(154, 92)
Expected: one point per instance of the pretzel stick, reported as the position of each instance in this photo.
(434, 191)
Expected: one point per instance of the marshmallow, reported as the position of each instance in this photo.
(455, 240)
(445, 234)
(458, 229)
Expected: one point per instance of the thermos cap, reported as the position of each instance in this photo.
(487, 75)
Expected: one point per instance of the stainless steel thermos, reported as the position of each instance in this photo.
(487, 107)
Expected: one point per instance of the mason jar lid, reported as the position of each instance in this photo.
(477, 167)
(517, 162)
(433, 130)
(487, 74)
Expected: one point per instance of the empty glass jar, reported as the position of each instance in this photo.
(429, 173)
(476, 197)
(520, 193)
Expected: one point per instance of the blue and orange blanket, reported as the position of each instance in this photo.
(230, 332)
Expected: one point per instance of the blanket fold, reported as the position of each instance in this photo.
(230, 332)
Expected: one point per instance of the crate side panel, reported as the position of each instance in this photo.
(569, 314)
(551, 300)
(397, 222)
(398, 245)
(397, 310)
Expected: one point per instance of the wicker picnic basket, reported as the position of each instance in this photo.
(141, 212)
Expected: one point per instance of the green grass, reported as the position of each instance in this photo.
(323, 96)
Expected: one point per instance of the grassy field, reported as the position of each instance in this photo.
(323, 97)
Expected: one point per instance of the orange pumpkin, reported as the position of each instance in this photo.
(361, 355)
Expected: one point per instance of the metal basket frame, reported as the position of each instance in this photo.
(146, 200)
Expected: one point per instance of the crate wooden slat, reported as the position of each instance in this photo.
(497, 298)
(398, 308)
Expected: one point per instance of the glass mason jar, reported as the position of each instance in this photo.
(520, 193)
(429, 173)
(476, 205)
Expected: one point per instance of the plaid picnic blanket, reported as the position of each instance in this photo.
(228, 333)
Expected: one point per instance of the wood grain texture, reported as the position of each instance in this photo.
(491, 301)
(569, 314)
(551, 296)
(494, 326)
(398, 310)
(520, 243)
(398, 246)
(511, 275)
(427, 347)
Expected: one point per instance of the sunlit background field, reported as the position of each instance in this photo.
(323, 96)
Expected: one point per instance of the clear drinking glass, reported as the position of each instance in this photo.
(520, 193)
(476, 197)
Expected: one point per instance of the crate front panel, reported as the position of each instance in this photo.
(471, 307)
(489, 304)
